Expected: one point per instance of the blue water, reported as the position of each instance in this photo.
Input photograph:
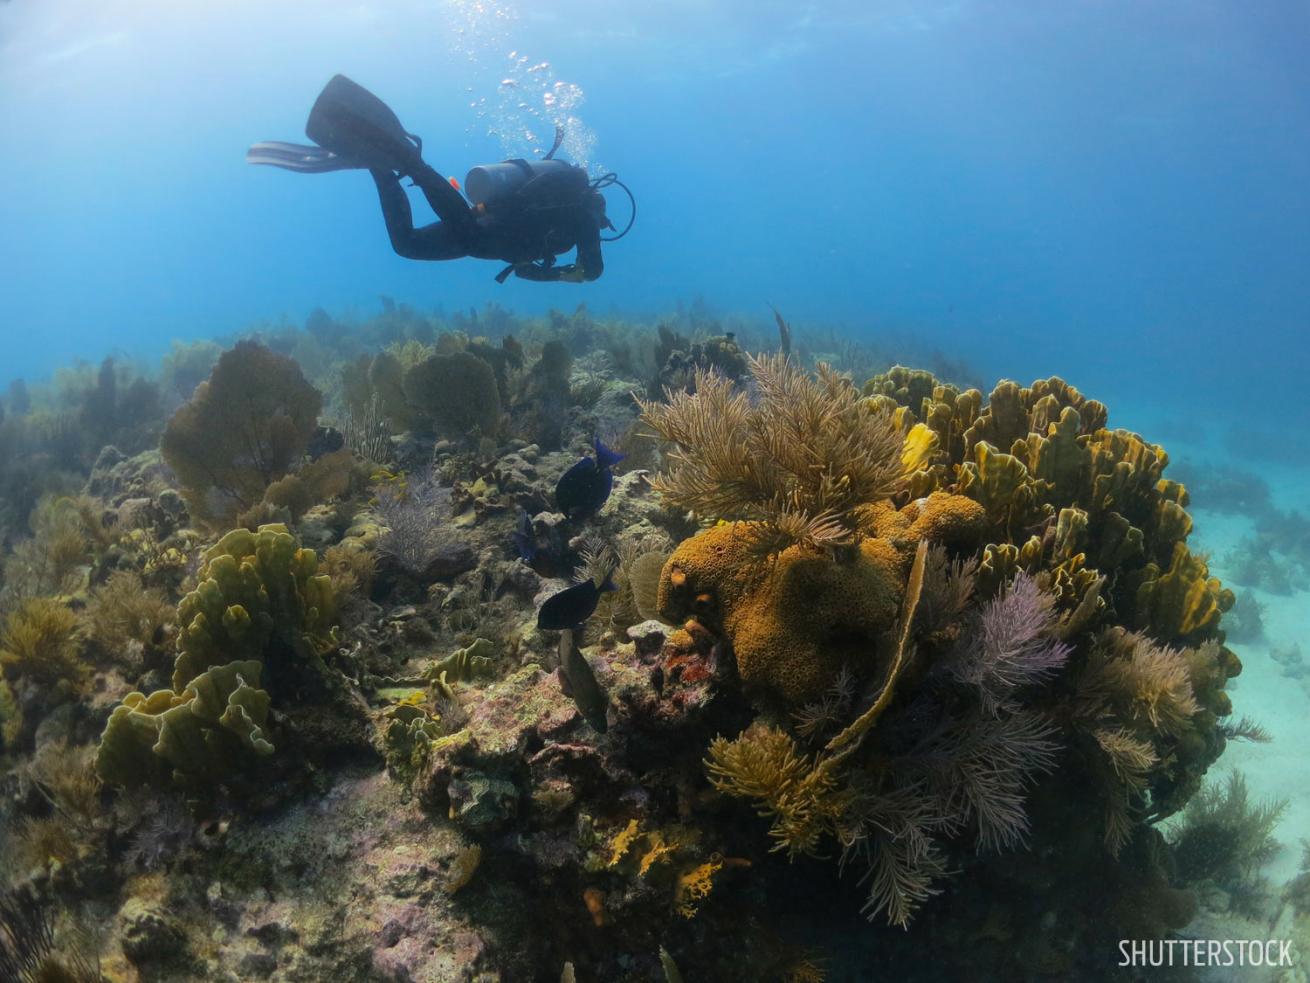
(1115, 191)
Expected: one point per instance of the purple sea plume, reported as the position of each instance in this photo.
(1009, 646)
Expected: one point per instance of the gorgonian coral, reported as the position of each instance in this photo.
(242, 430)
(39, 644)
(1008, 646)
(959, 754)
(799, 458)
(457, 393)
(418, 523)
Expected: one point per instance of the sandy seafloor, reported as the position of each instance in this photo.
(1281, 705)
(1279, 769)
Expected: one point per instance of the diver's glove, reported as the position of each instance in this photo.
(541, 273)
(538, 272)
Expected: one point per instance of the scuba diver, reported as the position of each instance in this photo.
(524, 213)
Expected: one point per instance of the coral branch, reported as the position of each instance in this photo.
(801, 458)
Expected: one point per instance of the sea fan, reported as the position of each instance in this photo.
(644, 580)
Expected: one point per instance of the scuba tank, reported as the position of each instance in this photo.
(488, 184)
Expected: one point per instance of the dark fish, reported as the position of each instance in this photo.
(581, 682)
(326, 440)
(525, 541)
(583, 488)
(571, 607)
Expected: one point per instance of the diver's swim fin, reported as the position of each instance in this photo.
(357, 126)
(297, 157)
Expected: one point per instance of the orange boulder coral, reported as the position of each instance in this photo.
(797, 620)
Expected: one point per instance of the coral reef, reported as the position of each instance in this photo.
(1065, 503)
(883, 663)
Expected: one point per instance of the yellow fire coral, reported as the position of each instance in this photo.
(656, 846)
(908, 387)
(1076, 499)
(260, 609)
(1184, 602)
(694, 886)
(623, 841)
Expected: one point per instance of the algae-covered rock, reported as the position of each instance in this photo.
(148, 934)
(481, 803)
(526, 706)
(526, 709)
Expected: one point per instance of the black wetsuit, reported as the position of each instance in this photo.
(546, 218)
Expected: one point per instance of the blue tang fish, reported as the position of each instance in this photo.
(585, 487)
(571, 607)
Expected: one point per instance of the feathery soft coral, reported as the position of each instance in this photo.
(1010, 646)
